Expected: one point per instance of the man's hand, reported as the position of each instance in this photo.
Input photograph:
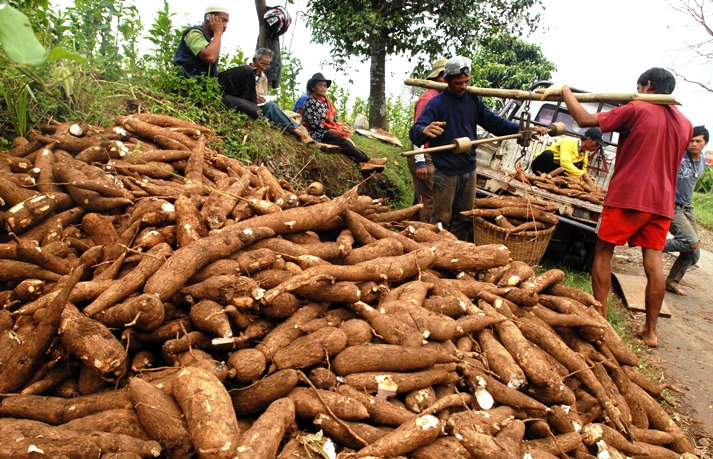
(552, 90)
(260, 100)
(216, 24)
(424, 173)
(434, 129)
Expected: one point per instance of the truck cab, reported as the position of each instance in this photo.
(497, 164)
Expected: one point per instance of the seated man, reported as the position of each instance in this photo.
(197, 55)
(570, 154)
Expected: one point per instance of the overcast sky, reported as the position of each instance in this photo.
(598, 46)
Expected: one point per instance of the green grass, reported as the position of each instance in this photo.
(703, 203)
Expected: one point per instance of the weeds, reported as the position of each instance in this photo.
(703, 204)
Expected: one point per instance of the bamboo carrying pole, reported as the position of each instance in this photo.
(663, 99)
(464, 144)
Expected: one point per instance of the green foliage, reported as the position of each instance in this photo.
(705, 183)
(165, 39)
(290, 88)
(360, 107)
(340, 99)
(400, 116)
(232, 60)
(505, 61)
(703, 205)
(423, 28)
(18, 41)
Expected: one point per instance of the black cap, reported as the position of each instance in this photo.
(316, 78)
(595, 134)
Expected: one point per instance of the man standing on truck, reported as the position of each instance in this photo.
(683, 225)
(638, 207)
(570, 154)
(448, 116)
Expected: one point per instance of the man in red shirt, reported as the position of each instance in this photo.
(420, 165)
(638, 207)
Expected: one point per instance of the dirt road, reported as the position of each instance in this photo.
(686, 338)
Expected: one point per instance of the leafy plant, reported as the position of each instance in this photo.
(23, 58)
(164, 37)
(290, 88)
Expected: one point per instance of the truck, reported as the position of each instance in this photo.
(573, 240)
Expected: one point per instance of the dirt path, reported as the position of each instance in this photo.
(686, 338)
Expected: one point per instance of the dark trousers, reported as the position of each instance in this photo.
(544, 163)
(453, 194)
(347, 147)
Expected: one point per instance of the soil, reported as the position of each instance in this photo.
(683, 357)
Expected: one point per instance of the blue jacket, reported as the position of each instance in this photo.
(462, 114)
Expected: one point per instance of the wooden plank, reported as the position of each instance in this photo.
(632, 290)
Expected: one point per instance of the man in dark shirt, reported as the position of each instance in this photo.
(683, 226)
(448, 116)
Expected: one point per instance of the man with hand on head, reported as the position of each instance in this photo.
(639, 204)
(448, 116)
(683, 226)
(199, 49)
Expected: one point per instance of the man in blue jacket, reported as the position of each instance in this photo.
(450, 115)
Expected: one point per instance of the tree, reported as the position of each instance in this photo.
(699, 11)
(375, 29)
(260, 8)
(505, 61)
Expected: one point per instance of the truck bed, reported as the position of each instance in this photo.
(497, 182)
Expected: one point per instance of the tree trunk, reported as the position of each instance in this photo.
(260, 8)
(377, 87)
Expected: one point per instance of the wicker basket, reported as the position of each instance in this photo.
(528, 246)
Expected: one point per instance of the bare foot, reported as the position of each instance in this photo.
(650, 338)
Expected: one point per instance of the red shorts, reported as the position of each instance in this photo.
(643, 229)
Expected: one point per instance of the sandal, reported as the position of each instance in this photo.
(674, 288)
(378, 161)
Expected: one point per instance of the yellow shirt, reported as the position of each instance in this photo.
(566, 153)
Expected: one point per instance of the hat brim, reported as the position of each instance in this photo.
(435, 72)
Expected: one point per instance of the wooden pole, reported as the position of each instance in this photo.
(663, 99)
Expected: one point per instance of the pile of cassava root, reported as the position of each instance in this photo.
(159, 298)
(515, 214)
(558, 182)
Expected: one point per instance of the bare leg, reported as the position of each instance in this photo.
(655, 286)
(601, 272)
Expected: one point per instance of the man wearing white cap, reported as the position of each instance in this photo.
(448, 116)
(199, 49)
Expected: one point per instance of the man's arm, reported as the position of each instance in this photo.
(578, 112)
(210, 53)
(567, 152)
(426, 126)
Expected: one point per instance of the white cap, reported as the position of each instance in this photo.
(457, 65)
(216, 7)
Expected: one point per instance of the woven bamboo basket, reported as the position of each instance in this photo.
(527, 246)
